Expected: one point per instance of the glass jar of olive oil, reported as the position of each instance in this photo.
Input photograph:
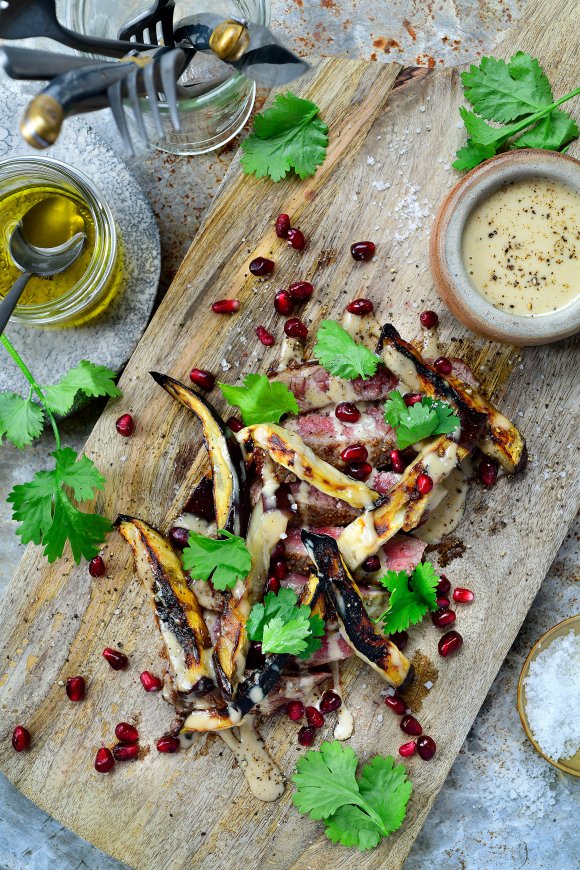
(85, 288)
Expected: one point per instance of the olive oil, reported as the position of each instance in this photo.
(64, 215)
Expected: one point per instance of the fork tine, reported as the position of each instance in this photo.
(151, 90)
(167, 25)
(169, 66)
(133, 95)
(114, 92)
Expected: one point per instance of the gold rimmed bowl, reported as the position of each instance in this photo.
(567, 765)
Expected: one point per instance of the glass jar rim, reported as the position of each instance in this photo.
(77, 298)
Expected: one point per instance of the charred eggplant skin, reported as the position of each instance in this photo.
(230, 487)
(343, 594)
(472, 422)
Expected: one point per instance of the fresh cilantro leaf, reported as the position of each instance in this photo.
(87, 378)
(551, 133)
(356, 812)
(341, 355)
(280, 604)
(504, 92)
(418, 421)
(471, 155)
(223, 561)
(48, 516)
(314, 639)
(21, 420)
(410, 597)
(261, 400)
(287, 136)
(289, 637)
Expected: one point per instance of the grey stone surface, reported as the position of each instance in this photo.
(502, 806)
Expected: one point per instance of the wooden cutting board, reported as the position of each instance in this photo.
(392, 137)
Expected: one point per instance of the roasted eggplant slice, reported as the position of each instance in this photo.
(177, 611)
(481, 423)
(230, 490)
(289, 450)
(229, 658)
(354, 622)
(403, 506)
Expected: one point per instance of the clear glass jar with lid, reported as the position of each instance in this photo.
(86, 288)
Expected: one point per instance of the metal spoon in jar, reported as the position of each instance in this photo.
(33, 260)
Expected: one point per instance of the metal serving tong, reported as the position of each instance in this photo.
(95, 85)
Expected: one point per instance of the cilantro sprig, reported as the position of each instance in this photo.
(223, 560)
(45, 506)
(261, 400)
(283, 626)
(359, 811)
(418, 421)
(341, 355)
(518, 95)
(410, 597)
(287, 136)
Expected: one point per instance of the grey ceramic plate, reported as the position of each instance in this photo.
(111, 339)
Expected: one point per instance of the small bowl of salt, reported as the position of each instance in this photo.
(549, 696)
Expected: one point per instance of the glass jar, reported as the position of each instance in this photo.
(207, 121)
(94, 288)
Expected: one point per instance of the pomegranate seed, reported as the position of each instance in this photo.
(442, 601)
(280, 569)
(426, 747)
(363, 250)
(443, 365)
(265, 337)
(75, 688)
(396, 704)
(488, 469)
(168, 744)
(359, 470)
(397, 463)
(125, 425)
(125, 751)
(294, 328)
(444, 617)
(346, 412)
(360, 307)
(314, 717)
(330, 702)
(295, 238)
(202, 378)
(126, 733)
(20, 738)
(407, 749)
(283, 302)
(306, 735)
(226, 306)
(282, 225)
(464, 596)
(410, 725)
(412, 399)
(179, 537)
(295, 710)
(429, 319)
(355, 453)
(97, 567)
(444, 585)
(272, 585)
(261, 266)
(234, 424)
(400, 639)
(424, 484)
(301, 291)
(278, 550)
(150, 682)
(116, 659)
(371, 564)
(104, 761)
(449, 643)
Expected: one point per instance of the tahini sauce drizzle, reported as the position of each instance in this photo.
(264, 777)
(521, 247)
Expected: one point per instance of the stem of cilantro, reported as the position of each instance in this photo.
(34, 386)
(531, 119)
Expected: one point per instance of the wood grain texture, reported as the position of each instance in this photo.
(194, 809)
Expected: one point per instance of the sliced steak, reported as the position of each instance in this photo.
(315, 388)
